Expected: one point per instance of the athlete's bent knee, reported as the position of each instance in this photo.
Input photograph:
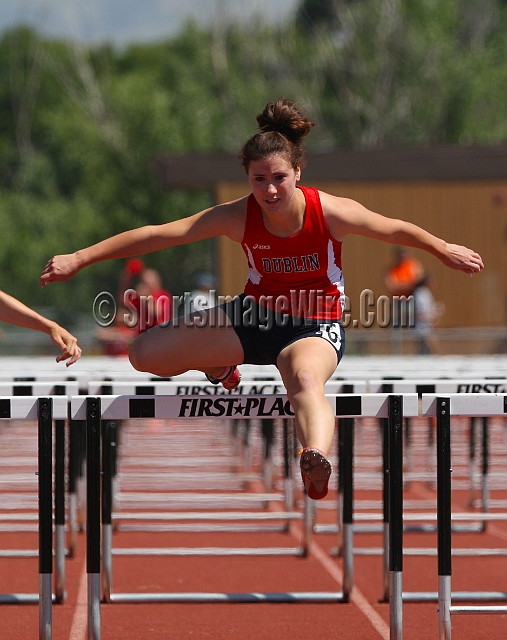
(303, 383)
(137, 354)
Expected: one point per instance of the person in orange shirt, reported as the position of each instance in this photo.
(406, 272)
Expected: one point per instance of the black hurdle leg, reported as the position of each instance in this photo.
(444, 516)
(245, 443)
(340, 455)
(387, 387)
(346, 429)
(384, 426)
(59, 511)
(81, 483)
(45, 435)
(395, 516)
(408, 445)
(60, 426)
(74, 428)
(268, 431)
(108, 465)
(471, 463)
(485, 468)
(287, 472)
(430, 450)
(345, 457)
(115, 433)
(93, 424)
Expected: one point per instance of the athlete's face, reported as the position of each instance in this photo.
(273, 182)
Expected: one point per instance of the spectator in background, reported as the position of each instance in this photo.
(204, 295)
(128, 276)
(116, 339)
(15, 312)
(427, 311)
(142, 303)
(401, 280)
(404, 274)
(152, 303)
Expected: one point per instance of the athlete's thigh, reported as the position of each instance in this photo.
(311, 359)
(202, 340)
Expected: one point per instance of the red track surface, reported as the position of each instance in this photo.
(362, 618)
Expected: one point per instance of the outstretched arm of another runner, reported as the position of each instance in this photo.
(15, 312)
(346, 216)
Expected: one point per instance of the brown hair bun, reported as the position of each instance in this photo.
(282, 127)
(284, 116)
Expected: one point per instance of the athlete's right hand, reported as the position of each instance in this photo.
(59, 268)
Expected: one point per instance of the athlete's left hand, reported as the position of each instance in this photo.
(462, 259)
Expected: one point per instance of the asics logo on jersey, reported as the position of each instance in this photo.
(262, 246)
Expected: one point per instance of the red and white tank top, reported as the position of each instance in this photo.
(300, 275)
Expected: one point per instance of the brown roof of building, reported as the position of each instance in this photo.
(408, 163)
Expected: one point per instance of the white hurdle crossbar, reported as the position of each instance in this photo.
(97, 409)
(443, 407)
(198, 388)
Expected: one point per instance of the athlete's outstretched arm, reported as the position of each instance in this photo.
(15, 312)
(346, 216)
(225, 219)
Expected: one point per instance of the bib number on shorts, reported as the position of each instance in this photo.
(331, 333)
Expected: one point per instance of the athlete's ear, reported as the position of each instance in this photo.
(298, 174)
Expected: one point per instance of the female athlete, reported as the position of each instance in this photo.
(289, 313)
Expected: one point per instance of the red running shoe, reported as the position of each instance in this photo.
(316, 470)
(230, 378)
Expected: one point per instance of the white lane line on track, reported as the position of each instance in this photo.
(80, 619)
(376, 620)
(496, 531)
(356, 596)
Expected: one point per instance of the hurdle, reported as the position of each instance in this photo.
(443, 407)
(40, 389)
(206, 389)
(98, 409)
(459, 386)
(389, 503)
(44, 410)
(195, 387)
(262, 385)
(487, 386)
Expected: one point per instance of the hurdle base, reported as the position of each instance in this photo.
(295, 597)
(19, 598)
(456, 596)
(205, 528)
(210, 551)
(378, 528)
(475, 610)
